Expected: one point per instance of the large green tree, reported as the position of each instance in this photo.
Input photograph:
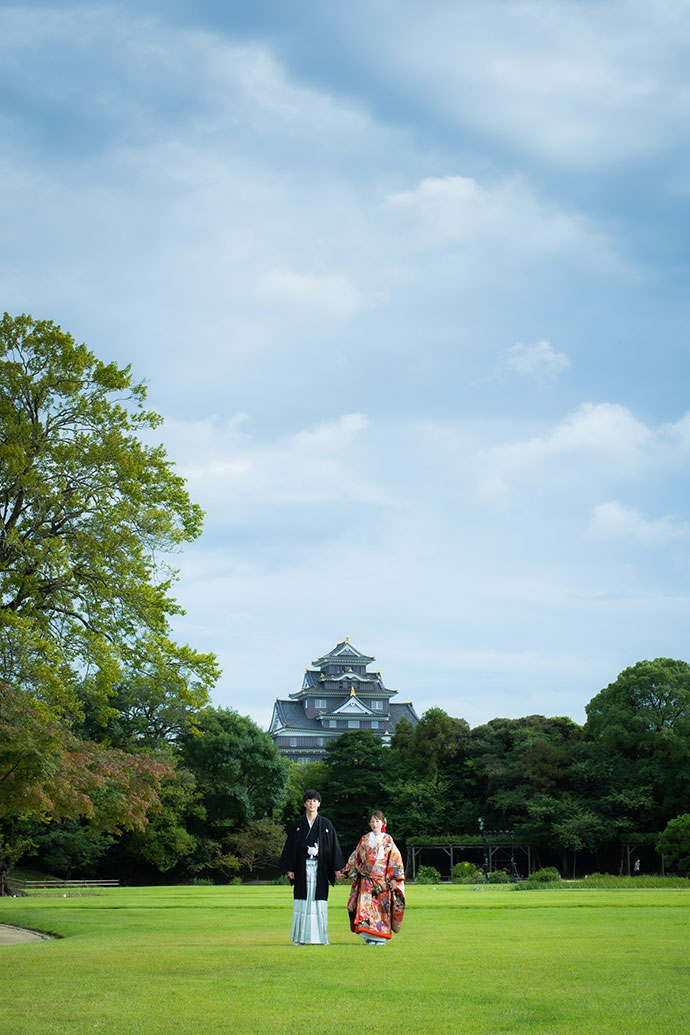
(645, 711)
(240, 777)
(355, 770)
(638, 730)
(89, 512)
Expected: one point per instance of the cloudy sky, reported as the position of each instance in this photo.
(409, 282)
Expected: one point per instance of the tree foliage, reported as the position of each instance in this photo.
(674, 842)
(258, 844)
(240, 778)
(87, 509)
(355, 765)
(88, 513)
(48, 773)
(645, 711)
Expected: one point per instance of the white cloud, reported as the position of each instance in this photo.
(236, 475)
(335, 295)
(597, 440)
(539, 361)
(458, 210)
(572, 84)
(612, 520)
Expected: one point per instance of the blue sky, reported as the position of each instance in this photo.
(409, 283)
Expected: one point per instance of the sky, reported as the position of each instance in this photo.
(409, 283)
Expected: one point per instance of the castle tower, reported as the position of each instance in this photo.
(338, 693)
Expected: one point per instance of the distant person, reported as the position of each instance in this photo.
(377, 899)
(311, 857)
(636, 868)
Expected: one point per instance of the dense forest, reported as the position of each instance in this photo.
(575, 794)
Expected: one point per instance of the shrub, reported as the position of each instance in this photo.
(674, 842)
(497, 877)
(428, 875)
(547, 875)
(466, 873)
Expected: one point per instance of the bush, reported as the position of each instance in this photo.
(547, 875)
(428, 875)
(497, 877)
(674, 843)
(466, 873)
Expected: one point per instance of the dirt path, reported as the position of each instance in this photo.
(17, 935)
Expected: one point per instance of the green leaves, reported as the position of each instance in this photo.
(674, 842)
(87, 509)
(646, 709)
(88, 513)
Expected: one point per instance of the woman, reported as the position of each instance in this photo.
(377, 899)
(311, 856)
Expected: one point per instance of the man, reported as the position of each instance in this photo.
(311, 858)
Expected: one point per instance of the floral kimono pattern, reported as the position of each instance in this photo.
(375, 910)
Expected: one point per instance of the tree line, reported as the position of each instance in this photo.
(224, 793)
(576, 795)
(114, 762)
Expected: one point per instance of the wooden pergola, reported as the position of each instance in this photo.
(493, 853)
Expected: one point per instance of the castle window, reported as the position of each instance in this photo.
(293, 742)
(377, 705)
(320, 702)
(353, 724)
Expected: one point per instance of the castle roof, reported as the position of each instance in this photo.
(342, 653)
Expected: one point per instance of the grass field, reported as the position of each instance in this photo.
(158, 961)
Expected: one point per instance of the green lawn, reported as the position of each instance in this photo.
(158, 961)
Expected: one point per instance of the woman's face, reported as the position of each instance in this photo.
(376, 824)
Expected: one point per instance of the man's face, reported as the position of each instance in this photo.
(312, 804)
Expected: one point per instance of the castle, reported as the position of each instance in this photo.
(337, 694)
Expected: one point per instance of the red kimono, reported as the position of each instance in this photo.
(374, 910)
